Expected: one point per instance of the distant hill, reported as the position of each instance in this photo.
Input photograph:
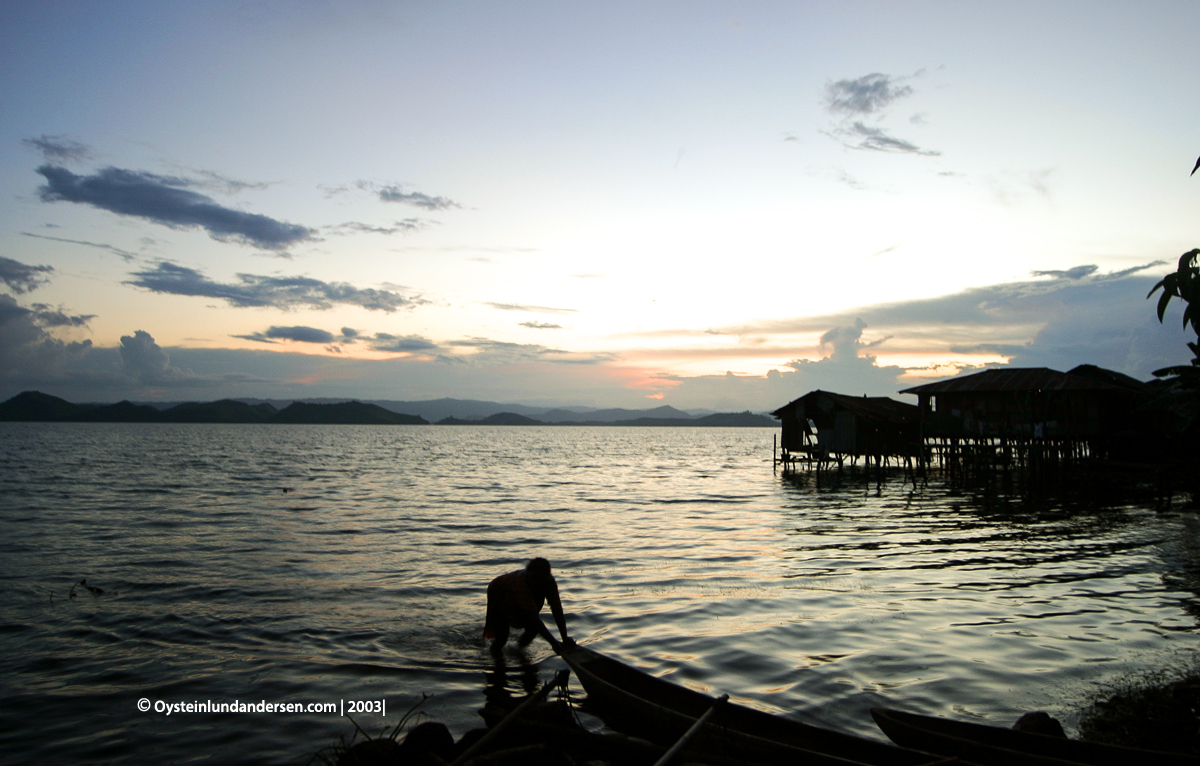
(745, 419)
(223, 411)
(356, 413)
(121, 412)
(611, 415)
(432, 410)
(36, 406)
(499, 419)
(721, 420)
(472, 410)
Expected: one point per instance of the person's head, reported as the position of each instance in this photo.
(537, 571)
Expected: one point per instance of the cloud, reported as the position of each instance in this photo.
(845, 340)
(846, 369)
(30, 355)
(875, 139)
(299, 334)
(124, 254)
(395, 193)
(225, 184)
(145, 361)
(488, 351)
(253, 290)
(868, 94)
(23, 278)
(531, 309)
(60, 148)
(466, 248)
(1010, 188)
(541, 325)
(398, 344)
(48, 316)
(1078, 272)
(407, 226)
(1074, 316)
(842, 176)
(41, 315)
(164, 200)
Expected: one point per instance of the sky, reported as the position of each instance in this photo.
(709, 205)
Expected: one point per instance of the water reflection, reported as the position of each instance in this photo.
(501, 681)
(680, 552)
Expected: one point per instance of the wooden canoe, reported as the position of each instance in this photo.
(996, 746)
(638, 703)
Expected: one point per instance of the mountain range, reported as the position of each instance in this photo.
(36, 406)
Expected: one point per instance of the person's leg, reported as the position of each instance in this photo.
(528, 636)
(501, 637)
(494, 625)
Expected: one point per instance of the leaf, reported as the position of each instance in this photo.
(1162, 305)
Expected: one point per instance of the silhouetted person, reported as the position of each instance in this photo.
(514, 600)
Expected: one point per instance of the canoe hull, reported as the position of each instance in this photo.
(996, 746)
(662, 711)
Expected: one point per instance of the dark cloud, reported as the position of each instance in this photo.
(866, 95)
(165, 200)
(870, 95)
(49, 316)
(42, 315)
(541, 325)
(124, 254)
(253, 290)
(860, 136)
(30, 355)
(398, 344)
(299, 334)
(349, 332)
(530, 309)
(60, 148)
(22, 278)
(395, 194)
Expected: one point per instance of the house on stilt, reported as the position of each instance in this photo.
(823, 427)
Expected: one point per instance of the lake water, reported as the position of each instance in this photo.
(678, 550)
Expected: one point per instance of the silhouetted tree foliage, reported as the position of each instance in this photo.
(1184, 284)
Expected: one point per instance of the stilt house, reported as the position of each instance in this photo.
(1086, 403)
(829, 423)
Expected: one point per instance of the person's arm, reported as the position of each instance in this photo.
(557, 610)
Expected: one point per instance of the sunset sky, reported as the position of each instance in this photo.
(709, 205)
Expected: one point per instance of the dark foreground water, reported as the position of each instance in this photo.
(678, 550)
